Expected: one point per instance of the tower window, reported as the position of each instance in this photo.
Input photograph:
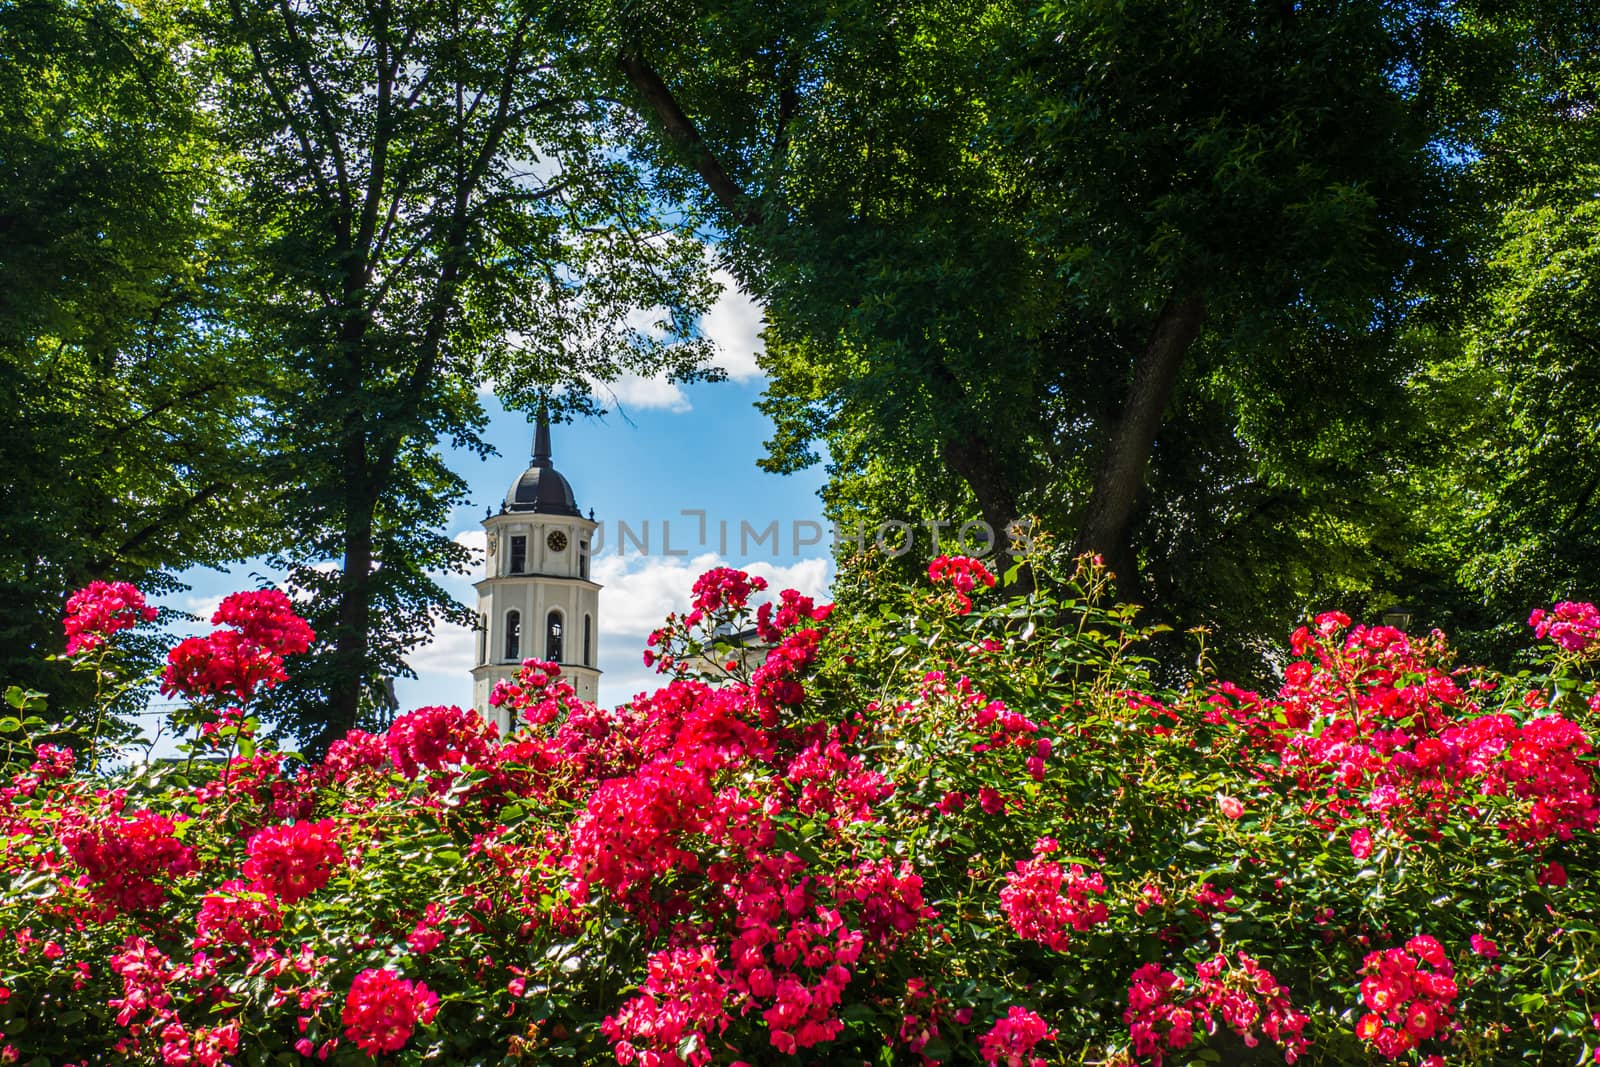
(519, 554)
(588, 641)
(552, 637)
(583, 559)
(513, 635)
(483, 638)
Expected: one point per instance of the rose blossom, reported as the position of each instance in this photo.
(383, 1009)
(101, 609)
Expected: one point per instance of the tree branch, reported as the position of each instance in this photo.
(170, 515)
(383, 127)
(114, 434)
(450, 269)
(281, 99)
(324, 114)
(682, 132)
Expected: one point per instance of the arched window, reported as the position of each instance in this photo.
(552, 637)
(513, 635)
(483, 638)
(588, 641)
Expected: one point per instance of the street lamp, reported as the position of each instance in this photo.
(1398, 616)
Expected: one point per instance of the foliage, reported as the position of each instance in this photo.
(953, 829)
(1150, 272)
(127, 440)
(1512, 488)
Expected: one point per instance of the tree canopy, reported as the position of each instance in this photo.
(128, 440)
(1159, 274)
(1514, 481)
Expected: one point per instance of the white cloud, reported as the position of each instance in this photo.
(632, 390)
(536, 169)
(202, 607)
(449, 651)
(300, 594)
(735, 323)
(451, 648)
(809, 576)
(476, 541)
(651, 322)
(636, 391)
(641, 591)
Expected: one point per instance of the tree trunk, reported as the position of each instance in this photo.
(351, 638)
(970, 457)
(1108, 519)
(350, 647)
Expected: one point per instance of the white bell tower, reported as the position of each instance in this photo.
(536, 599)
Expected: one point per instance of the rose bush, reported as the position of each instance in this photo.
(948, 829)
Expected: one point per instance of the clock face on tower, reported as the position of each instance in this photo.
(557, 541)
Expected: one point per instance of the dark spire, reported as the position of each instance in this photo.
(541, 488)
(541, 440)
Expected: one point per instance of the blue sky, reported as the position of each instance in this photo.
(661, 450)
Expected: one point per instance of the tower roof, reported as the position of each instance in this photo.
(542, 489)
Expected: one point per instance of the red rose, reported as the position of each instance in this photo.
(383, 1009)
(293, 861)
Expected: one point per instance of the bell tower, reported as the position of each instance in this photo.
(536, 599)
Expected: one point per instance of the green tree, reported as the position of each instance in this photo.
(1515, 489)
(126, 443)
(436, 200)
(1153, 272)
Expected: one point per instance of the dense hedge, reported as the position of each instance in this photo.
(929, 832)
